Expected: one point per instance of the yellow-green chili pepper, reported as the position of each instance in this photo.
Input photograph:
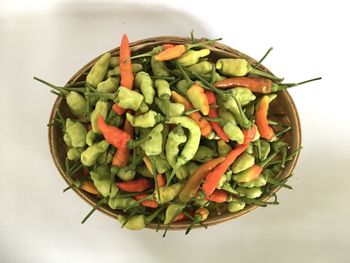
(161, 164)
(233, 132)
(191, 167)
(101, 108)
(172, 211)
(120, 203)
(154, 145)
(67, 140)
(203, 67)
(142, 169)
(90, 137)
(105, 158)
(192, 57)
(76, 103)
(102, 180)
(204, 154)
(235, 205)
(182, 86)
(176, 137)
(146, 120)
(76, 133)
(175, 109)
(114, 61)
(243, 162)
(126, 173)
(169, 193)
(261, 181)
(265, 149)
(108, 85)
(91, 154)
(239, 67)
(136, 222)
(99, 70)
(129, 99)
(145, 83)
(158, 68)
(253, 192)
(223, 148)
(116, 70)
(182, 173)
(73, 154)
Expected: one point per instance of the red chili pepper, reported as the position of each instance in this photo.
(213, 178)
(117, 137)
(161, 180)
(261, 120)
(180, 217)
(117, 109)
(214, 114)
(121, 157)
(249, 134)
(138, 185)
(218, 196)
(146, 203)
(196, 178)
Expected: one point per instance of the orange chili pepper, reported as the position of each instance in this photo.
(146, 203)
(261, 121)
(167, 46)
(212, 179)
(117, 137)
(126, 75)
(117, 109)
(196, 178)
(218, 196)
(249, 134)
(171, 53)
(89, 187)
(120, 158)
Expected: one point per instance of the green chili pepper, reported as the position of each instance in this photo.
(142, 169)
(91, 154)
(191, 167)
(203, 67)
(76, 133)
(172, 211)
(129, 99)
(161, 164)
(116, 70)
(226, 115)
(121, 203)
(90, 137)
(146, 120)
(226, 178)
(233, 132)
(105, 158)
(192, 57)
(223, 148)
(265, 149)
(250, 149)
(136, 222)
(73, 154)
(76, 103)
(109, 85)
(163, 89)
(182, 86)
(67, 140)
(203, 154)
(253, 192)
(235, 205)
(242, 163)
(101, 108)
(240, 67)
(158, 68)
(169, 193)
(99, 70)
(145, 83)
(102, 180)
(181, 173)
(126, 173)
(154, 145)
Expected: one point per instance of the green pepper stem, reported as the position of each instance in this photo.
(263, 58)
(151, 53)
(171, 176)
(278, 134)
(59, 89)
(165, 78)
(256, 202)
(264, 74)
(75, 84)
(246, 123)
(136, 143)
(98, 204)
(268, 159)
(138, 202)
(219, 120)
(202, 43)
(155, 177)
(221, 93)
(192, 36)
(191, 111)
(278, 183)
(196, 220)
(276, 87)
(152, 216)
(212, 76)
(183, 72)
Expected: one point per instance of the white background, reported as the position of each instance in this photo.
(53, 39)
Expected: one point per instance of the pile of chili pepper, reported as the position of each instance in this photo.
(172, 135)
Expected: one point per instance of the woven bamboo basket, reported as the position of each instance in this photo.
(283, 105)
